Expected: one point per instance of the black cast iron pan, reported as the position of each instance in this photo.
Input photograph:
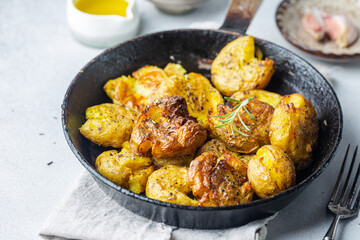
(191, 47)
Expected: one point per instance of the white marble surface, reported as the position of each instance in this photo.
(39, 58)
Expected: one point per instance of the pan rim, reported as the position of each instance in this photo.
(297, 188)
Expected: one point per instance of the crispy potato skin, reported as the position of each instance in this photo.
(109, 125)
(294, 128)
(237, 69)
(166, 129)
(138, 179)
(177, 161)
(150, 83)
(170, 184)
(174, 69)
(134, 91)
(125, 168)
(218, 147)
(257, 137)
(201, 97)
(219, 181)
(270, 98)
(271, 171)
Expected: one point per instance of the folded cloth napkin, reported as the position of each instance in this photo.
(87, 213)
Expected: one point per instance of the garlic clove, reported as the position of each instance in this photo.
(341, 30)
(313, 24)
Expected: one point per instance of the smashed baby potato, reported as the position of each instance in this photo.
(170, 184)
(165, 129)
(150, 83)
(177, 161)
(236, 68)
(218, 147)
(270, 98)
(174, 69)
(219, 181)
(134, 91)
(109, 125)
(294, 128)
(257, 133)
(201, 97)
(271, 171)
(125, 168)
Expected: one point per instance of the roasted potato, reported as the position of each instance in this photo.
(218, 147)
(259, 127)
(294, 128)
(270, 98)
(138, 179)
(109, 125)
(201, 97)
(271, 171)
(134, 91)
(219, 181)
(170, 184)
(166, 129)
(150, 83)
(125, 168)
(177, 161)
(174, 69)
(237, 69)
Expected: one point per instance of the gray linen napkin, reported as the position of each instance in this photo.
(87, 213)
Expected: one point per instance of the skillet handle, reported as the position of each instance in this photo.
(240, 14)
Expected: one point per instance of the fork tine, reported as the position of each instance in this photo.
(337, 185)
(354, 189)
(346, 185)
(357, 203)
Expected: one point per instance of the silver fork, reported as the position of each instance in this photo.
(344, 204)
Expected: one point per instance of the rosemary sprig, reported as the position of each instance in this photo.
(230, 117)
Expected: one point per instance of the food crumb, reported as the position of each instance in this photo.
(54, 142)
(325, 122)
(12, 110)
(49, 163)
(81, 71)
(292, 74)
(55, 117)
(41, 134)
(172, 58)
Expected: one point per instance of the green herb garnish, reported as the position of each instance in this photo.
(230, 117)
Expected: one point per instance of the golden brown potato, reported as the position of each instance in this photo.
(271, 171)
(270, 98)
(218, 147)
(150, 83)
(177, 161)
(109, 125)
(125, 168)
(201, 97)
(138, 179)
(134, 91)
(237, 69)
(170, 184)
(166, 129)
(174, 69)
(219, 181)
(259, 128)
(294, 128)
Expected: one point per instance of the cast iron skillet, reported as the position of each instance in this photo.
(190, 47)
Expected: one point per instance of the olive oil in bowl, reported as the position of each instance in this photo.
(103, 7)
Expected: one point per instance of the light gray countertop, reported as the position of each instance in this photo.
(39, 58)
